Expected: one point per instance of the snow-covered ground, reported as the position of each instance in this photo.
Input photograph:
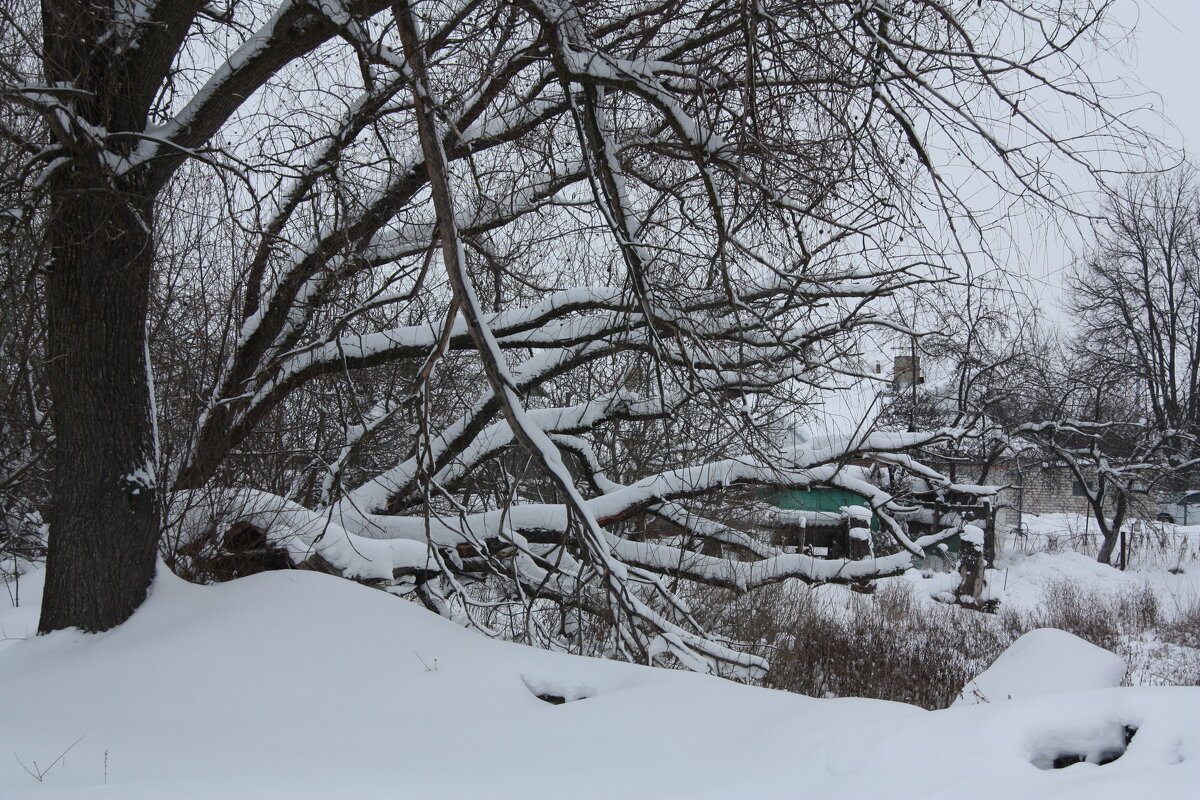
(1051, 572)
(1149, 543)
(300, 685)
(1025, 568)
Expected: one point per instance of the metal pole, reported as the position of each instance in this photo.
(912, 370)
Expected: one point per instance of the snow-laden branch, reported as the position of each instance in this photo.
(384, 547)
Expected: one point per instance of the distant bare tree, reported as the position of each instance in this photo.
(1121, 410)
(1116, 463)
(1085, 411)
(1136, 295)
(984, 362)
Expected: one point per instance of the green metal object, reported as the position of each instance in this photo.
(818, 500)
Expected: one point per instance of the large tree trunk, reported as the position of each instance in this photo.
(105, 519)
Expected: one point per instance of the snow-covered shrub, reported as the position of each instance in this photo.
(1042, 661)
(890, 645)
(1184, 627)
(896, 644)
(1099, 617)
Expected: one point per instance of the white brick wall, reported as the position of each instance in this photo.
(1048, 490)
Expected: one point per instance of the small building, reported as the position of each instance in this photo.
(1053, 488)
(828, 500)
(823, 521)
(838, 523)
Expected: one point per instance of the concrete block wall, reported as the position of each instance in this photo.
(1050, 490)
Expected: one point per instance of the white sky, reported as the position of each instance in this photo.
(1153, 71)
(1166, 59)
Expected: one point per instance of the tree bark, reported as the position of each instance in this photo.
(1108, 532)
(105, 520)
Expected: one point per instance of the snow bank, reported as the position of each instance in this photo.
(1043, 661)
(300, 685)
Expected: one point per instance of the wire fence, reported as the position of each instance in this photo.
(1145, 542)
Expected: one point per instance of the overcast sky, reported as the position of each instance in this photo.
(1154, 62)
(1165, 57)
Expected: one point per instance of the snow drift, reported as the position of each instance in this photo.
(300, 685)
(1043, 661)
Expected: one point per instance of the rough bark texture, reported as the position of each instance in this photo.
(105, 521)
(1109, 532)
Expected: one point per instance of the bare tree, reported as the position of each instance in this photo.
(24, 429)
(1117, 465)
(1136, 295)
(1116, 403)
(983, 364)
(1121, 410)
(1084, 411)
(429, 224)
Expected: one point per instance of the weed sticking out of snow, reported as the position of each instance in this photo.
(39, 773)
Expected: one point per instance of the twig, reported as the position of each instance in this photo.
(39, 774)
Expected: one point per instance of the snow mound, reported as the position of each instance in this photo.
(294, 685)
(1043, 661)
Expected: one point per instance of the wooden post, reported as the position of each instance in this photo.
(989, 533)
(972, 573)
(839, 542)
(858, 539)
